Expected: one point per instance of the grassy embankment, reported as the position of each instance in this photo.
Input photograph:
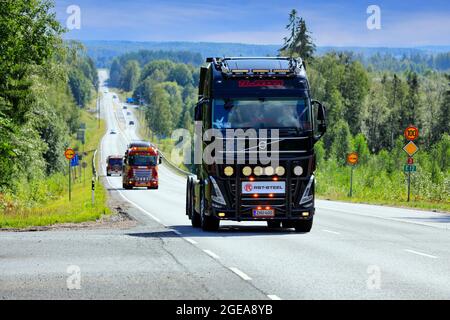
(47, 202)
(381, 188)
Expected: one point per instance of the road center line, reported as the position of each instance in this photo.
(211, 254)
(421, 254)
(190, 240)
(329, 231)
(273, 297)
(240, 273)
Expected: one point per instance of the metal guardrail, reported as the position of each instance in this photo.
(94, 169)
(173, 166)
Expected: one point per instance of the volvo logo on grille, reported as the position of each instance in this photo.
(262, 145)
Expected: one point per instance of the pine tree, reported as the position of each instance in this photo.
(299, 42)
(443, 125)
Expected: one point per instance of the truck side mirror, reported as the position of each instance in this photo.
(198, 116)
(321, 119)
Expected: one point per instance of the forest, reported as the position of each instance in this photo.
(44, 86)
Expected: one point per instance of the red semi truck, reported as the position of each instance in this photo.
(140, 166)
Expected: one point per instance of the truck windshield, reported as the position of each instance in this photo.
(261, 113)
(142, 160)
(115, 162)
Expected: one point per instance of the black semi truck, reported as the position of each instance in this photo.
(260, 94)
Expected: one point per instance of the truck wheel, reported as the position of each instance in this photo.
(195, 217)
(273, 224)
(188, 197)
(126, 187)
(208, 223)
(303, 225)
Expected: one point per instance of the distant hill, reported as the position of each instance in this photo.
(103, 51)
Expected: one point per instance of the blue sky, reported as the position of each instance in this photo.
(337, 23)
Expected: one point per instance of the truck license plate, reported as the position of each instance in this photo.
(262, 213)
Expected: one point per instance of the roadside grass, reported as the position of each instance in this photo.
(52, 203)
(333, 183)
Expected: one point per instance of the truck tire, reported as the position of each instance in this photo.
(303, 225)
(273, 224)
(126, 187)
(188, 197)
(195, 216)
(208, 223)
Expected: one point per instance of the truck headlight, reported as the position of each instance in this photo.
(218, 196)
(298, 170)
(307, 195)
(228, 171)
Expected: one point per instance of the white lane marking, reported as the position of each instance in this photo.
(329, 231)
(190, 240)
(140, 208)
(421, 254)
(212, 254)
(273, 297)
(240, 273)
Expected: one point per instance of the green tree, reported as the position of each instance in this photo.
(131, 75)
(181, 74)
(343, 141)
(354, 88)
(115, 74)
(158, 115)
(443, 125)
(299, 42)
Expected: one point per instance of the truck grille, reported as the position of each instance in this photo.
(142, 174)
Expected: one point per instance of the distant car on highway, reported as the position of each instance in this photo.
(125, 107)
(114, 165)
(113, 131)
(128, 113)
(131, 123)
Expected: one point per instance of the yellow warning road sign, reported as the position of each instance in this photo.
(69, 153)
(411, 148)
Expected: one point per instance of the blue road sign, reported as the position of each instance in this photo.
(75, 161)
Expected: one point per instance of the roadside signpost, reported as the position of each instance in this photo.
(411, 133)
(84, 166)
(352, 160)
(70, 154)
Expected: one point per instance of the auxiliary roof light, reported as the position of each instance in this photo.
(246, 171)
(228, 171)
(258, 171)
(280, 170)
(269, 171)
